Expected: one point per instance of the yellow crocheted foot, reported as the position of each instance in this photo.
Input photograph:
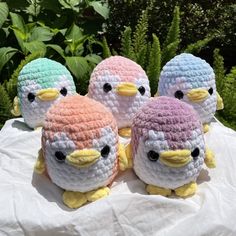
(97, 194)
(220, 103)
(39, 166)
(186, 190)
(125, 132)
(128, 151)
(154, 190)
(74, 199)
(16, 107)
(38, 128)
(210, 159)
(206, 128)
(123, 160)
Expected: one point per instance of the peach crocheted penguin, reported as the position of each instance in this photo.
(122, 86)
(80, 150)
(168, 147)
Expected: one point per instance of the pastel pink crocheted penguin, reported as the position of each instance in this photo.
(122, 86)
(168, 147)
(80, 150)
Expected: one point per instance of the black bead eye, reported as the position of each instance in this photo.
(107, 87)
(141, 89)
(63, 91)
(195, 153)
(179, 94)
(210, 91)
(153, 156)
(31, 97)
(105, 151)
(60, 157)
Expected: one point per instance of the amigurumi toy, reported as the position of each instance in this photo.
(191, 80)
(80, 151)
(40, 83)
(168, 147)
(122, 86)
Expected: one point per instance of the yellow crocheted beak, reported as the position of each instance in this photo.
(47, 94)
(177, 158)
(197, 95)
(83, 158)
(126, 89)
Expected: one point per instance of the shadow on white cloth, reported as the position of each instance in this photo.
(32, 205)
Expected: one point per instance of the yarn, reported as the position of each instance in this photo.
(168, 143)
(78, 125)
(41, 83)
(122, 86)
(192, 80)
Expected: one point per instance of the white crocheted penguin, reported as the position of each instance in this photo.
(41, 82)
(80, 150)
(192, 80)
(168, 147)
(122, 86)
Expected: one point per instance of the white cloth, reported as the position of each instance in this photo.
(31, 205)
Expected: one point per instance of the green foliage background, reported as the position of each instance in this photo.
(80, 33)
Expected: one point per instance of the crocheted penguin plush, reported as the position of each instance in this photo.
(80, 149)
(122, 86)
(192, 80)
(168, 147)
(40, 83)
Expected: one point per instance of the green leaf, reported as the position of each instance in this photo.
(73, 33)
(41, 34)
(140, 33)
(20, 29)
(173, 32)
(197, 46)
(5, 105)
(57, 48)
(3, 13)
(6, 53)
(71, 4)
(18, 22)
(75, 40)
(78, 66)
(106, 50)
(218, 65)
(93, 58)
(126, 44)
(154, 66)
(35, 46)
(101, 9)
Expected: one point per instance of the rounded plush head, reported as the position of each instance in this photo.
(40, 83)
(122, 86)
(79, 142)
(168, 143)
(191, 80)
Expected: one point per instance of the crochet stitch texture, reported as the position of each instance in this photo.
(41, 74)
(79, 123)
(114, 71)
(186, 72)
(166, 124)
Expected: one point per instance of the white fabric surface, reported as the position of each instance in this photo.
(31, 205)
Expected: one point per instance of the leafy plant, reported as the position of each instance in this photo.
(39, 28)
(149, 53)
(201, 18)
(5, 106)
(172, 40)
(226, 86)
